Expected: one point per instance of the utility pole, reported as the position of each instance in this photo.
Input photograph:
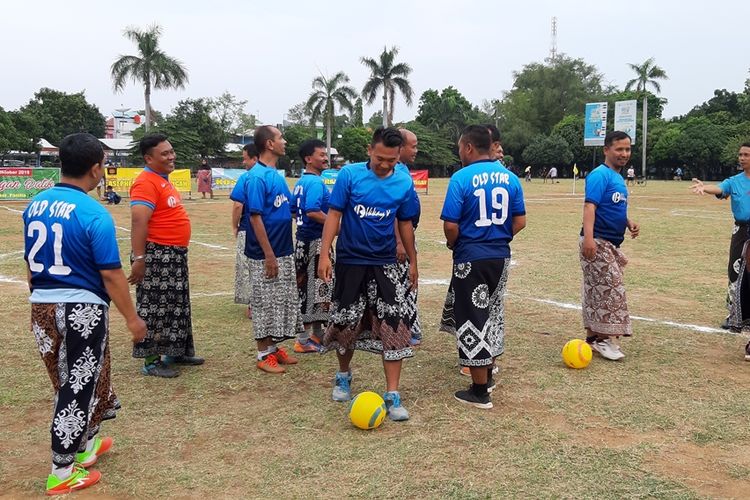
(645, 131)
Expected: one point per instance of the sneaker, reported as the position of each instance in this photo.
(183, 360)
(283, 358)
(469, 398)
(342, 391)
(306, 346)
(466, 371)
(415, 342)
(725, 324)
(89, 458)
(159, 369)
(396, 412)
(270, 364)
(608, 349)
(79, 479)
(491, 384)
(747, 352)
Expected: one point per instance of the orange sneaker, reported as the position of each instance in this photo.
(284, 358)
(270, 365)
(101, 446)
(306, 347)
(79, 479)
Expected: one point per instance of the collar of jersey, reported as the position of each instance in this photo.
(264, 165)
(165, 177)
(71, 186)
(487, 160)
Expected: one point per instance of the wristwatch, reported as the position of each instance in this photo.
(138, 257)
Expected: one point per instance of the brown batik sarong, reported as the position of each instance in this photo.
(604, 305)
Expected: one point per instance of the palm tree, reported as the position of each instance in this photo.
(152, 67)
(647, 74)
(323, 99)
(386, 75)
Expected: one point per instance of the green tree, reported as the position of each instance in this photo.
(353, 143)
(570, 128)
(547, 151)
(186, 142)
(647, 74)
(152, 67)
(375, 121)
(197, 115)
(357, 116)
(297, 115)
(294, 136)
(387, 76)
(57, 114)
(9, 137)
(447, 112)
(229, 112)
(434, 149)
(326, 94)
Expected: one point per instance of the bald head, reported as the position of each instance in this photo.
(409, 147)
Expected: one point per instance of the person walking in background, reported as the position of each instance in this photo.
(204, 180)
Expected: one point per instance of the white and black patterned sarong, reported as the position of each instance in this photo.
(474, 310)
(314, 293)
(739, 302)
(241, 272)
(368, 312)
(275, 303)
(163, 301)
(411, 312)
(73, 340)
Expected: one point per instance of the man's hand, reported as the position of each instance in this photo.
(400, 252)
(272, 267)
(589, 248)
(697, 187)
(413, 276)
(634, 228)
(235, 230)
(325, 271)
(137, 328)
(137, 271)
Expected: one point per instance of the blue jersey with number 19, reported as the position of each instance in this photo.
(482, 198)
(69, 239)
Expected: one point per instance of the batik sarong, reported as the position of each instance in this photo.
(367, 312)
(163, 301)
(604, 305)
(73, 340)
(275, 302)
(411, 313)
(474, 310)
(314, 293)
(241, 272)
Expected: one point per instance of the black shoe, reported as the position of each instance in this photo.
(159, 369)
(725, 325)
(468, 397)
(491, 384)
(184, 360)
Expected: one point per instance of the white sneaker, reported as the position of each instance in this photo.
(608, 349)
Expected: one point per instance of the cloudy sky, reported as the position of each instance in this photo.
(268, 52)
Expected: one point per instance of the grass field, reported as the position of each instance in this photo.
(670, 420)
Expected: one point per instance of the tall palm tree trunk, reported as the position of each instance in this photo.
(328, 138)
(385, 106)
(147, 98)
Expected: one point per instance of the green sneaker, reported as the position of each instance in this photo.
(79, 479)
(89, 458)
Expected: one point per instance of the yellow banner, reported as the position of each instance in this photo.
(122, 178)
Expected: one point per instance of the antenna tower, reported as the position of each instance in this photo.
(553, 47)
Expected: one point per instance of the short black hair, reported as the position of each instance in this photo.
(262, 134)
(149, 142)
(745, 144)
(251, 150)
(387, 136)
(478, 136)
(494, 132)
(308, 147)
(78, 153)
(615, 135)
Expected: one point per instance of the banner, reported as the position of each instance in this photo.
(595, 124)
(329, 177)
(421, 180)
(122, 178)
(22, 183)
(225, 178)
(625, 115)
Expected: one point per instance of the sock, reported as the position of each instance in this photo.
(63, 472)
(90, 444)
(479, 390)
(150, 360)
(317, 329)
(272, 349)
(263, 354)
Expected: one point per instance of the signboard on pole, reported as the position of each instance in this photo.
(121, 179)
(225, 178)
(23, 183)
(421, 180)
(595, 124)
(625, 115)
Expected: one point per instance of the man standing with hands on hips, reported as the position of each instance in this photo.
(160, 235)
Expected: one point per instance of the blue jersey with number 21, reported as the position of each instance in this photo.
(69, 239)
(482, 198)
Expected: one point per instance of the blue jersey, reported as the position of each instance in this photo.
(606, 189)
(267, 194)
(370, 206)
(482, 198)
(310, 195)
(69, 239)
(238, 195)
(738, 188)
(415, 197)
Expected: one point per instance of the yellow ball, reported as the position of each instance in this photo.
(577, 354)
(367, 410)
